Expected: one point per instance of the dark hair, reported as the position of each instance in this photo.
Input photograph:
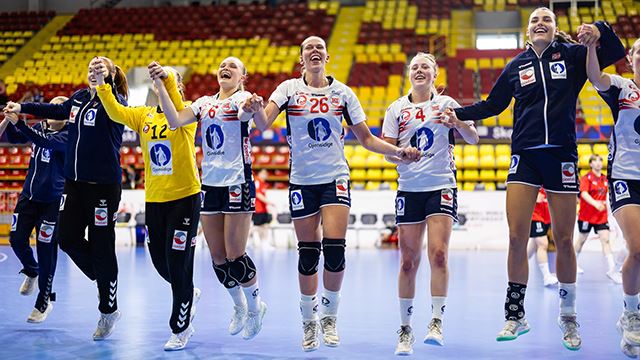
(560, 36)
(593, 158)
(119, 78)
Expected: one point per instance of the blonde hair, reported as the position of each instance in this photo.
(434, 65)
(633, 51)
(243, 70)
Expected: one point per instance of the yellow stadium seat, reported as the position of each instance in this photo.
(358, 175)
(484, 63)
(469, 186)
(372, 185)
(486, 149)
(487, 162)
(487, 175)
(389, 175)
(468, 150)
(374, 160)
(471, 63)
(503, 149)
(470, 162)
(489, 186)
(471, 175)
(457, 151)
(583, 160)
(584, 149)
(601, 149)
(501, 175)
(357, 161)
(503, 161)
(374, 174)
(348, 151)
(360, 150)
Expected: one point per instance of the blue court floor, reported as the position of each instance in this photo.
(368, 317)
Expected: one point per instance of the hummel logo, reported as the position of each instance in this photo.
(103, 202)
(186, 221)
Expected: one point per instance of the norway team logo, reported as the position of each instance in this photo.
(621, 190)
(90, 117)
(179, 240)
(46, 233)
(319, 129)
(214, 137)
(558, 70)
(101, 217)
(513, 166)
(45, 155)
(14, 221)
(568, 172)
(400, 202)
(296, 200)
(422, 139)
(160, 155)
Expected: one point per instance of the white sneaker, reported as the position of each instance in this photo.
(28, 285)
(512, 329)
(237, 319)
(629, 350)
(310, 341)
(579, 270)
(106, 324)
(179, 341)
(253, 323)
(629, 325)
(570, 335)
(550, 280)
(196, 297)
(434, 336)
(615, 276)
(37, 316)
(405, 341)
(329, 331)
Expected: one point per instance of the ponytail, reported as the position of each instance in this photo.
(120, 82)
(563, 37)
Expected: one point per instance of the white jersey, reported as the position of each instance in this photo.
(225, 140)
(314, 128)
(623, 97)
(414, 125)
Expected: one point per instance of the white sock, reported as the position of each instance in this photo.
(238, 296)
(631, 303)
(330, 302)
(611, 263)
(309, 307)
(437, 306)
(406, 311)
(567, 294)
(544, 269)
(252, 293)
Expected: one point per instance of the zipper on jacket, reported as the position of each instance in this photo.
(35, 171)
(546, 97)
(75, 160)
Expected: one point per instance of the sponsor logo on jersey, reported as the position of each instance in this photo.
(296, 200)
(235, 194)
(400, 202)
(14, 221)
(214, 137)
(558, 69)
(101, 216)
(226, 106)
(45, 155)
(621, 190)
(555, 56)
(319, 129)
(179, 240)
(301, 100)
(161, 157)
(568, 172)
(46, 232)
(446, 197)
(335, 100)
(90, 117)
(527, 76)
(145, 129)
(73, 113)
(422, 139)
(342, 188)
(513, 166)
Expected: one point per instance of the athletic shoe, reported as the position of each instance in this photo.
(434, 336)
(405, 341)
(330, 330)
(629, 326)
(253, 323)
(512, 329)
(37, 316)
(570, 335)
(106, 324)
(629, 350)
(615, 276)
(579, 270)
(310, 341)
(550, 280)
(179, 341)
(237, 319)
(196, 297)
(28, 285)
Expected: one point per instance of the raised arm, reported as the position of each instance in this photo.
(599, 79)
(13, 135)
(45, 111)
(175, 118)
(499, 99)
(55, 141)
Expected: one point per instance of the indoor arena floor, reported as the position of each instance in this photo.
(368, 316)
